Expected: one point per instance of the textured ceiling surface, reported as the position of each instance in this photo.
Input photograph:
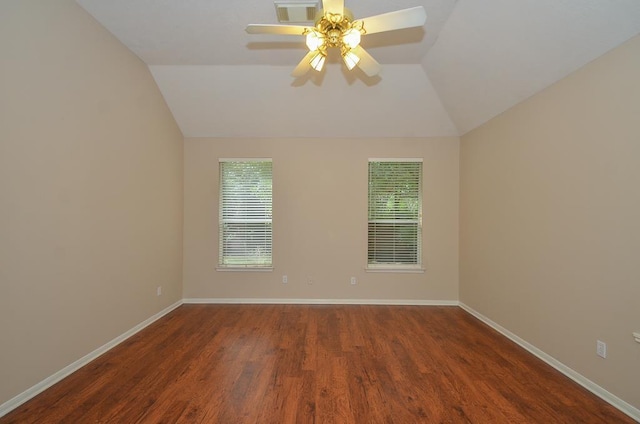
(471, 61)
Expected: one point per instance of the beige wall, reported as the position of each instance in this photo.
(550, 220)
(90, 191)
(320, 220)
(91, 168)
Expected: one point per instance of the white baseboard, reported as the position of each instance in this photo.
(608, 397)
(259, 301)
(13, 403)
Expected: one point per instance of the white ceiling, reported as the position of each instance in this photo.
(472, 60)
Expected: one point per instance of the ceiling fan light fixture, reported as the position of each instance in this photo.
(351, 38)
(315, 40)
(317, 61)
(350, 59)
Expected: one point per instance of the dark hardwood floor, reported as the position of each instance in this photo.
(316, 364)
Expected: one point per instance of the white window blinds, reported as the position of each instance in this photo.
(395, 213)
(245, 213)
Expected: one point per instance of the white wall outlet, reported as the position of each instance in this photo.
(285, 280)
(159, 291)
(636, 336)
(601, 349)
(309, 280)
(354, 281)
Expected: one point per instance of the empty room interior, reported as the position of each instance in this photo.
(508, 132)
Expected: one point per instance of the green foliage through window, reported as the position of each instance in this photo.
(395, 209)
(245, 213)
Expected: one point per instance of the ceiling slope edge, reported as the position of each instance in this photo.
(265, 102)
(485, 63)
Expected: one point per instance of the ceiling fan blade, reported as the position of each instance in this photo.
(333, 6)
(304, 66)
(367, 63)
(400, 19)
(275, 29)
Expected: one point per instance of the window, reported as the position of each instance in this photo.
(245, 227)
(395, 214)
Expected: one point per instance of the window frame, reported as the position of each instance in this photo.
(223, 248)
(396, 266)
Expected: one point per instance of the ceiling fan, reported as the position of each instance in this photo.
(335, 27)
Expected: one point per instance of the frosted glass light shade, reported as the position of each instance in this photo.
(350, 59)
(314, 40)
(351, 38)
(317, 62)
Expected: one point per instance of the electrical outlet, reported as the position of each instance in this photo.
(285, 280)
(159, 291)
(601, 349)
(636, 337)
(354, 281)
(309, 280)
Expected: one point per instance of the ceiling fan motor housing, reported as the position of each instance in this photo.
(333, 27)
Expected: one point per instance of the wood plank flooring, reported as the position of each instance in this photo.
(316, 364)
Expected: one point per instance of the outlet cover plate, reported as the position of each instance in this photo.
(601, 349)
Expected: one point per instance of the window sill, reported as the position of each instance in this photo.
(244, 269)
(395, 269)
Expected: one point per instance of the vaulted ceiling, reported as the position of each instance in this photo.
(471, 61)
